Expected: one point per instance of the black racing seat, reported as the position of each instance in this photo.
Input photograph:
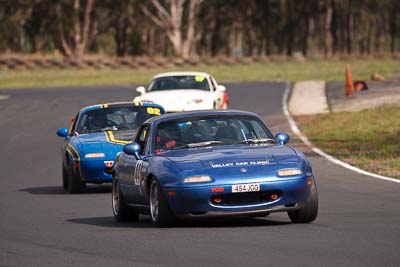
(228, 135)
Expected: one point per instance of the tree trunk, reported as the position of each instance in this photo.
(123, 23)
(81, 34)
(118, 37)
(266, 8)
(172, 23)
(369, 37)
(393, 30)
(77, 30)
(215, 38)
(188, 44)
(65, 48)
(334, 27)
(327, 36)
(349, 28)
(151, 43)
(304, 45)
(289, 28)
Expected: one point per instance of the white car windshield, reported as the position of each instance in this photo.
(198, 82)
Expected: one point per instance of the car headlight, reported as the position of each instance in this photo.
(95, 155)
(289, 172)
(197, 179)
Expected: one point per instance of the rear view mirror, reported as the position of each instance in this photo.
(282, 138)
(141, 90)
(221, 88)
(133, 149)
(62, 132)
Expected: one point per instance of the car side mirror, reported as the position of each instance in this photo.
(141, 90)
(133, 149)
(282, 138)
(221, 88)
(62, 132)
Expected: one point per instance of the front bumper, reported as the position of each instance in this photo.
(260, 212)
(198, 199)
(95, 171)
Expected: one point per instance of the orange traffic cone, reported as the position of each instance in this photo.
(349, 82)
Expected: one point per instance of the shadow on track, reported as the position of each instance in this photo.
(58, 190)
(145, 222)
(110, 222)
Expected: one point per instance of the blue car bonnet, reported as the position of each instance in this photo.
(108, 142)
(234, 161)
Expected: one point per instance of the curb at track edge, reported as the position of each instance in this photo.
(304, 139)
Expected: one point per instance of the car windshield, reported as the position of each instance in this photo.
(179, 82)
(114, 118)
(211, 131)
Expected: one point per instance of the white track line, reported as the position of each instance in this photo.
(318, 151)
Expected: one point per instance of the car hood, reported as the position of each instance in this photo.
(234, 162)
(177, 100)
(109, 142)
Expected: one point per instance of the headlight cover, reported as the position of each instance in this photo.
(94, 155)
(197, 179)
(289, 172)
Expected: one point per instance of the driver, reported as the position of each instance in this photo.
(98, 122)
(168, 137)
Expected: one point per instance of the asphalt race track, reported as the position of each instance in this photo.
(41, 225)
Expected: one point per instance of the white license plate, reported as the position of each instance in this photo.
(238, 188)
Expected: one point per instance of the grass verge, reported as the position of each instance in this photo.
(332, 70)
(368, 139)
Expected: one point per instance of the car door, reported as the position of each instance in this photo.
(132, 171)
(144, 139)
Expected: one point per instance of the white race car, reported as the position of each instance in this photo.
(183, 91)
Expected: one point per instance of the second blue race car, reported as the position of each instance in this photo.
(211, 163)
(97, 134)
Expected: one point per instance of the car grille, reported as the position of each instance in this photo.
(246, 198)
(108, 170)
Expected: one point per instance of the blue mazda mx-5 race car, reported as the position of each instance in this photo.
(97, 134)
(211, 162)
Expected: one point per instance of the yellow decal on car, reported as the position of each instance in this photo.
(199, 79)
(111, 139)
(75, 156)
(153, 111)
(70, 130)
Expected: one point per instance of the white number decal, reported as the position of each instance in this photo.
(138, 172)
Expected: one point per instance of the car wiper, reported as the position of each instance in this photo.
(206, 143)
(257, 141)
(110, 128)
(113, 128)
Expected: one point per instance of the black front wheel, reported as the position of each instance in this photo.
(161, 213)
(75, 184)
(308, 210)
(121, 211)
(64, 178)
